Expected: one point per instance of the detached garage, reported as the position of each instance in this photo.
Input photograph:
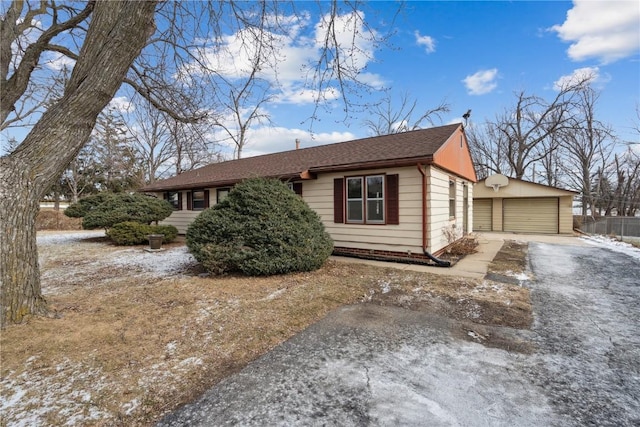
(513, 205)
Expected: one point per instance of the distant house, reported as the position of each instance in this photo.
(515, 205)
(406, 195)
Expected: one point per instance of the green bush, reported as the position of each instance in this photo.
(169, 231)
(261, 228)
(86, 205)
(129, 233)
(108, 209)
(133, 233)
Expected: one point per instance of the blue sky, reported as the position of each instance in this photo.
(442, 51)
(471, 54)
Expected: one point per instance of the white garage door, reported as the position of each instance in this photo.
(482, 214)
(534, 215)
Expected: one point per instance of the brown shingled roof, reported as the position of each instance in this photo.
(380, 151)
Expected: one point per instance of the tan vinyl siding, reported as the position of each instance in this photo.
(181, 219)
(566, 215)
(438, 208)
(404, 237)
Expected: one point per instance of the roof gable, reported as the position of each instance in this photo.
(381, 151)
(454, 155)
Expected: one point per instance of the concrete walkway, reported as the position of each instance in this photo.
(474, 265)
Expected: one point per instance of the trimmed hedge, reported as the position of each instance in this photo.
(108, 209)
(133, 233)
(261, 228)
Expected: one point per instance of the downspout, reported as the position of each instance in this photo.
(439, 262)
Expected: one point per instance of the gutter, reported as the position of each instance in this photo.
(439, 262)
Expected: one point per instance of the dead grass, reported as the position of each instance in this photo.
(511, 259)
(51, 219)
(125, 346)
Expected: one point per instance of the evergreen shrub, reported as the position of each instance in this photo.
(260, 228)
(133, 233)
(108, 209)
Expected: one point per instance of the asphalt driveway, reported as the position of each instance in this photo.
(371, 365)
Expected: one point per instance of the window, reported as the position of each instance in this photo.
(365, 199)
(452, 198)
(296, 187)
(375, 199)
(197, 200)
(221, 194)
(175, 198)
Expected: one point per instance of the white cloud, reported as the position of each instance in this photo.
(266, 140)
(306, 96)
(294, 56)
(607, 31)
(428, 42)
(481, 82)
(121, 104)
(590, 74)
(58, 62)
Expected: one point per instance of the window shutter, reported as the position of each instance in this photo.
(206, 199)
(165, 195)
(189, 203)
(393, 189)
(179, 200)
(297, 188)
(338, 200)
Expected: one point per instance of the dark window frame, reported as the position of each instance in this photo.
(190, 200)
(177, 204)
(221, 190)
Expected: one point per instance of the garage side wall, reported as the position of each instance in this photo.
(566, 214)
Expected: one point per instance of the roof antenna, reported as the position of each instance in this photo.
(466, 116)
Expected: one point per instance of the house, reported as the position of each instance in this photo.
(514, 205)
(406, 195)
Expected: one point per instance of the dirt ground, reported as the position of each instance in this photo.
(132, 335)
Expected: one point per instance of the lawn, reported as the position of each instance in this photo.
(132, 335)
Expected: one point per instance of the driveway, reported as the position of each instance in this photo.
(372, 365)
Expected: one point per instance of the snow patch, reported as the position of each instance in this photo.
(275, 294)
(613, 245)
(65, 238)
(171, 261)
(31, 398)
(385, 286)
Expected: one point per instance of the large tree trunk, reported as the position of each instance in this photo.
(116, 35)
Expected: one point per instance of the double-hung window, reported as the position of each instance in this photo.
(371, 199)
(365, 199)
(452, 198)
(198, 200)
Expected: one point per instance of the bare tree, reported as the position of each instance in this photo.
(386, 117)
(104, 41)
(487, 150)
(525, 133)
(115, 36)
(164, 145)
(244, 104)
(151, 139)
(586, 146)
(626, 194)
